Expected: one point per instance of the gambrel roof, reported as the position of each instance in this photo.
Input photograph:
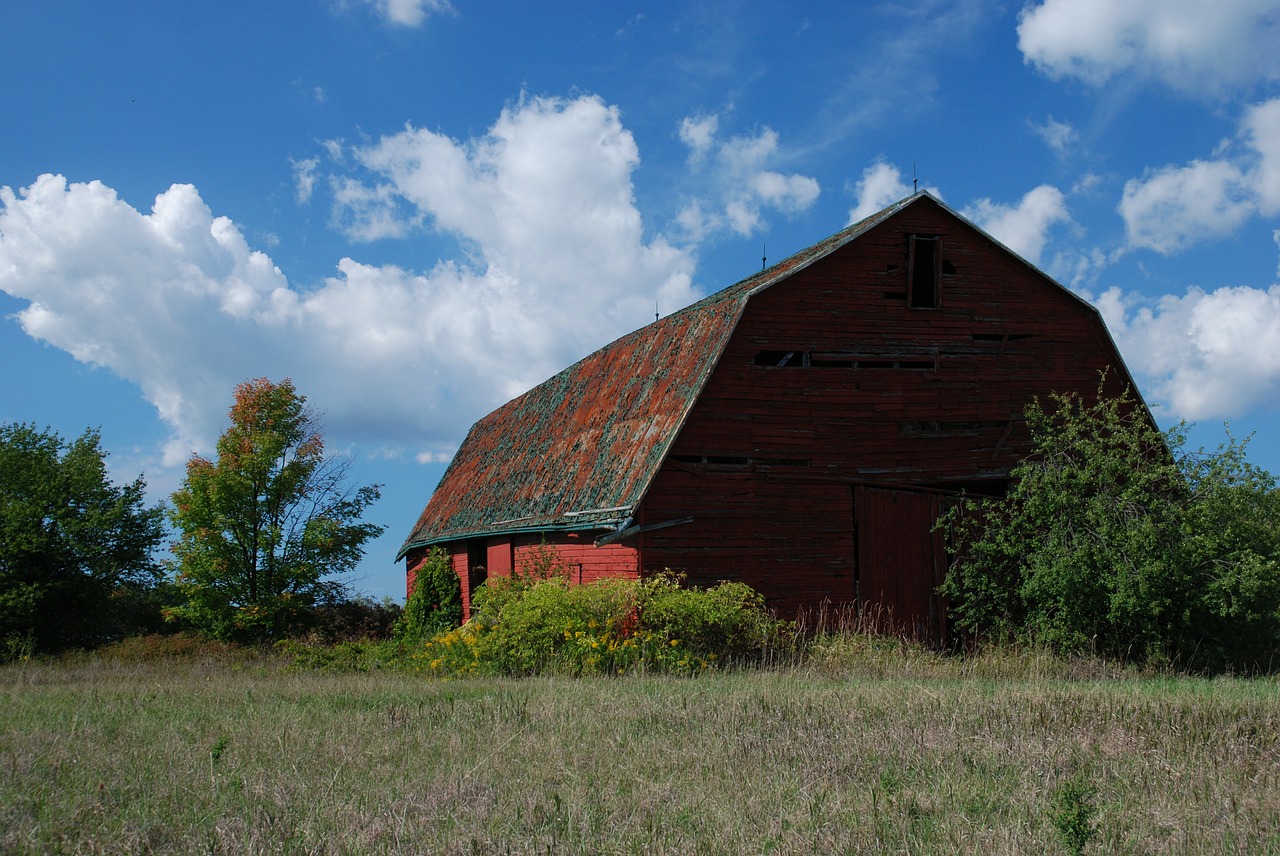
(580, 450)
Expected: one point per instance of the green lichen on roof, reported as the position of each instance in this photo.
(578, 451)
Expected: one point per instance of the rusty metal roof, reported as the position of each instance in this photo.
(579, 450)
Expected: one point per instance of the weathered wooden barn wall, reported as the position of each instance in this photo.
(874, 392)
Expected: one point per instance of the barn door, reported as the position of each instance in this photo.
(900, 560)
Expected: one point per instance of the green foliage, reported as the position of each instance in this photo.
(351, 655)
(266, 528)
(728, 619)
(1073, 811)
(527, 626)
(76, 565)
(218, 748)
(1114, 540)
(354, 619)
(435, 606)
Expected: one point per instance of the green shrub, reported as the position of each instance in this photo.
(1113, 540)
(435, 606)
(1073, 811)
(527, 626)
(726, 620)
(347, 656)
(355, 619)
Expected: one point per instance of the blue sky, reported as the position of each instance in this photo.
(417, 209)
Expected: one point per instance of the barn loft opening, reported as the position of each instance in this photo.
(843, 360)
(924, 271)
(939, 428)
(740, 461)
(477, 561)
(1000, 337)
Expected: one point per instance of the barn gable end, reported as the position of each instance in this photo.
(798, 431)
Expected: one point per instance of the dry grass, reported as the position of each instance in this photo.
(873, 747)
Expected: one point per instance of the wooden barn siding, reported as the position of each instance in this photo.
(586, 562)
(792, 543)
(788, 529)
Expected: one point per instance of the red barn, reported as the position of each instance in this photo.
(798, 431)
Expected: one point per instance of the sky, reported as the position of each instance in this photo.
(418, 209)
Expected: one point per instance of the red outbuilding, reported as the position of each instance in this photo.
(799, 431)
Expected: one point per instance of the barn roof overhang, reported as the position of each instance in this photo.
(587, 520)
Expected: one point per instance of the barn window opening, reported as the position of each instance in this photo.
(477, 558)
(780, 359)
(740, 461)
(995, 486)
(844, 360)
(1000, 337)
(723, 460)
(952, 428)
(924, 269)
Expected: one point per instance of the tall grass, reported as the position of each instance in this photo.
(873, 747)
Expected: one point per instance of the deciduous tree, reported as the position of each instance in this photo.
(267, 528)
(76, 550)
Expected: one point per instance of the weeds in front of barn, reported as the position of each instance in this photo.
(876, 746)
(545, 626)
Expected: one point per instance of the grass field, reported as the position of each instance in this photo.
(866, 749)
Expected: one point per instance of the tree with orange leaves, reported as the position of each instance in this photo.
(267, 528)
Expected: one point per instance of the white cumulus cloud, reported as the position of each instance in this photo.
(881, 185)
(176, 301)
(546, 197)
(1024, 227)
(739, 181)
(1205, 354)
(365, 213)
(1261, 132)
(1191, 45)
(699, 132)
(1170, 208)
(1173, 207)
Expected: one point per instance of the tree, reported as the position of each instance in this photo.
(267, 527)
(1114, 539)
(76, 551)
